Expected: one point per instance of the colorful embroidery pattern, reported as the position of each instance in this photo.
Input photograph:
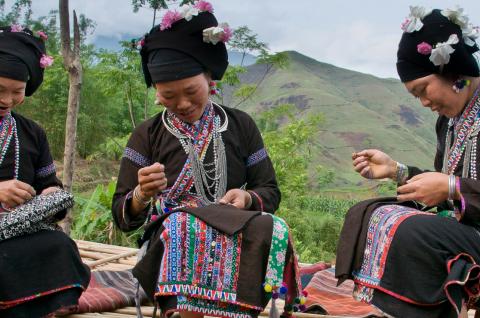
(278, 249)
(198, 261)
(45, 171)
(381, 230)
(465, 125)
(210, 309)
(257, 157)
(136, 157)
(201, 135)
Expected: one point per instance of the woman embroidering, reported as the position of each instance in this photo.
(407, 262)
(199, 175)
(40, 273)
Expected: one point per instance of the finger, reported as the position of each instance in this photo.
(153, 185)
(415, 178)
(359, 160)
(408, 197)
(366, 173)
(24, 195)
(237, 204)
(25, 186)
(366, 153)
(155, 168)
(151, 178)
(228, 197)
(15, 200)
(361, 166)
(407, 188)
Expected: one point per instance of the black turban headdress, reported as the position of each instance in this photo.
(180, 52)
(437, 28)
(20, 54)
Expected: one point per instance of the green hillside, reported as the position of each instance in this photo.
(360, 111)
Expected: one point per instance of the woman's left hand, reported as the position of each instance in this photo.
(49, 190)
(238, 198)
(429, 188)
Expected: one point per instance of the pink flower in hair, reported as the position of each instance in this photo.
(46, 61)
(16, 28)
(42, 35)
(170, 18)
(424, 48)
(204, 6)
(405, 24)
(227, 33)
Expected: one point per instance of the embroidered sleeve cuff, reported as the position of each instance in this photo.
(136, 157)
(45, 171)
(256, 157)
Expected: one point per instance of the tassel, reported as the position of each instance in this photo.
(273, 310)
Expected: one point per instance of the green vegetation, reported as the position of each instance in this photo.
(312, 116)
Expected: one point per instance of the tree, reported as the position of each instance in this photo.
(244, 41)
(71, 61)
(15, 14)
(156, 5)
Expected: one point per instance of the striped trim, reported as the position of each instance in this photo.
(45, 171)
(257, 157)
(15, 302)
(259, 199)
(136, 157)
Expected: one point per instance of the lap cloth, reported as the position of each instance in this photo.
(413, 264)
(214, 260)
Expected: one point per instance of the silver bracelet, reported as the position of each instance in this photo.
(139, 198)
(401, 173)
(451, 187)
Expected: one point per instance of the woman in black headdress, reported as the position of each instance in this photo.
(199, 174)
(404, 259)
(41, 273)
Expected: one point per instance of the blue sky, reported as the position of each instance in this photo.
(358, 35)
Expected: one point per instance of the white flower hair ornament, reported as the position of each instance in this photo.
(440, 54)
(414, 21)
(457, 16)
(189, 11)
(221, 33)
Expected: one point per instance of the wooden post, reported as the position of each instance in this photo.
(71, 61)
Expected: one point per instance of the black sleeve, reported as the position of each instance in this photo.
(45, 171)
(137, 155)
(261, 180)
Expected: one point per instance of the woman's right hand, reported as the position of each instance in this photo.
(15, 192)
(151, 180)
(374, 164)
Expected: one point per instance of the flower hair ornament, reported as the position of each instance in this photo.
(45, 60)
(414, 22)
(440, 53)
(221, 33)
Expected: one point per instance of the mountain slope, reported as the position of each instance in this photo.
(361, 111)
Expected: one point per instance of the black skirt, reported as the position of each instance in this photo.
(40, 273)
(409, 263)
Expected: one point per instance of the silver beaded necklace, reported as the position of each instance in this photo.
(210, 178)
(8, 131)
